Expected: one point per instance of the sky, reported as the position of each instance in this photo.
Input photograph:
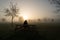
(33, 9)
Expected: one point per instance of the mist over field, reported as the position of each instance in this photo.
(29, 19)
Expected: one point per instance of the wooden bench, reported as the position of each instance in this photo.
(21, 27)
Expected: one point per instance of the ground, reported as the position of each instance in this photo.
(45, 31)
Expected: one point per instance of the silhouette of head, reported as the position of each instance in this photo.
(25, 22)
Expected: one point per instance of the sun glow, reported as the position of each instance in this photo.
(25, 16)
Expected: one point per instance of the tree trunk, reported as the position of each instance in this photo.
(12, 21)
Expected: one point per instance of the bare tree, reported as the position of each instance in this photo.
(21, 20)
(3, 19)
(12, 11)
(52, 20)
(57, 4)
(39, 19)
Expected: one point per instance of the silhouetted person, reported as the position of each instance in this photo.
(25, 24)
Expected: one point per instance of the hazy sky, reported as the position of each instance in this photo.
(32, 8)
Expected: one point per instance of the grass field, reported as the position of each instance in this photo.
(50, 31)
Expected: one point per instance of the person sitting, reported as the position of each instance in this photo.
(25, 24)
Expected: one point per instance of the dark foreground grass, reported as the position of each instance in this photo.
(43, 31)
